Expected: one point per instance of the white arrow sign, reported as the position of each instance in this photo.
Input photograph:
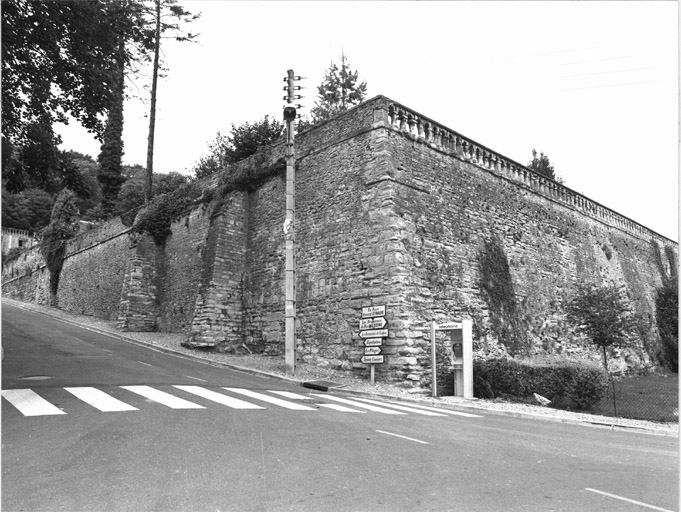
(372, 359)
(372, 323)
(375, 333)
(373, 342)
(372, 351)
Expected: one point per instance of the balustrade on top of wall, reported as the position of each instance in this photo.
(421, 128)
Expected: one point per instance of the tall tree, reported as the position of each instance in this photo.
(54, 63)
(131, 41)
(242, 142)
(542, 165)
(177, 14)
(339, 91)
(604, 316)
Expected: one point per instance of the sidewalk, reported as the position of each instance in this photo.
(273, 367)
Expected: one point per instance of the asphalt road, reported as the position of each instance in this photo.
(61, 452)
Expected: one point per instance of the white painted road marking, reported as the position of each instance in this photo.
(443, 411)
(30, 403)
(145, 364)
(100, 400)
(163, 398)
(271, 399)
(340, 408)
(195, 378)
(401, 407)
(288, 394)
(234, 403)
(403, 437)
(359, 404)
(653, 507)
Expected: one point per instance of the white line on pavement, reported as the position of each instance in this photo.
(401, 407)
(341, 408)
(403, 437)
(653, 507)
(444, 411)
(288, 394)
(234, 403)
(270, 399)
(359, 404)
(163, 398)
(195, 378)
(30, 403)
(100, 400)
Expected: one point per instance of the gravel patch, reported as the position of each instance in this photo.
(275, 368)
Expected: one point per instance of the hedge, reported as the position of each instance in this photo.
(569, 384)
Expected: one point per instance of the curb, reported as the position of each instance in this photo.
(341, 390)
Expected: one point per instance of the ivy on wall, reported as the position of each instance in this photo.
(157, 216)
(54, 238)
(496, 288)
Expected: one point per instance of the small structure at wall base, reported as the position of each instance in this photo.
(460, 335)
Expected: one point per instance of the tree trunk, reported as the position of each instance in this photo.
(612, 381)
(152, 111)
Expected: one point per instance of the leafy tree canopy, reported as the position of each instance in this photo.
(57, 60)
(29, 210)
(603, 315)
(242, 142)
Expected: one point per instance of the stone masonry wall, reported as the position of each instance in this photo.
(391, 209)
(449, 208)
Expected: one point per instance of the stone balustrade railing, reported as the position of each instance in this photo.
(14, 231)
(420, 127)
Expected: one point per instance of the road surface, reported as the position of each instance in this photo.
(90, 423)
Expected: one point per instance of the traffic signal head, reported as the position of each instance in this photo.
(289, 114)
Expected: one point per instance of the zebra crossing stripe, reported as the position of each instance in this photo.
(341, 408)
(163, 398)
(288, 394)
(401, 407)
(30, 403)
(100, 400)
(359, 404)
(270, 399)
(234, 403)
(445, 411)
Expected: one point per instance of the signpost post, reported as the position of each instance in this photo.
(372, 330)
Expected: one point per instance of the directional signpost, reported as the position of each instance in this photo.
(372, 329)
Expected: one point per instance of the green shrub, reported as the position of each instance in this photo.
(568, 384)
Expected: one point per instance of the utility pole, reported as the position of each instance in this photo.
(289, 224)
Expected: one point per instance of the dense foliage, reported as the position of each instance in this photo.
(603, 315)
(542, 165)
(568, 384)
(667, 310)
(340, 90)
(243, 141)
(71, 59)
(63, 226)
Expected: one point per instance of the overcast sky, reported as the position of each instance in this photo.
(594, 85)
